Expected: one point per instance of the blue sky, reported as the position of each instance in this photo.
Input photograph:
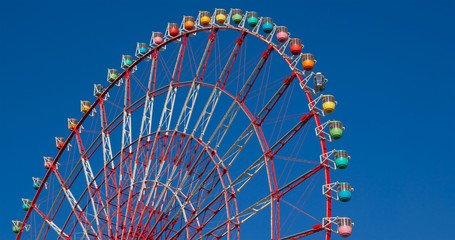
(390, 62)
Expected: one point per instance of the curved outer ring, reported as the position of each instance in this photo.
(95, 103)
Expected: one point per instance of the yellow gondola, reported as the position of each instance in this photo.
(328, 103)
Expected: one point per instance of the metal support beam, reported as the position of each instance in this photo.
(51, 224)
(90, 179)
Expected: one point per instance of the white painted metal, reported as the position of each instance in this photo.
(39, 180)
(126, 143)
(321, 132)
(73, 202)
(269, 36)
(325, 157)
(314, 108)
(89, 177)
(332, 188)
(258, 25)
(17, 223)
(57, 229)
(107, 149)
(107, 156)
(165, 121)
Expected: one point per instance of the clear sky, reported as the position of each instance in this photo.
(390, 62)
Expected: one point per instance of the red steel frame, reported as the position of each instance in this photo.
(276, 193)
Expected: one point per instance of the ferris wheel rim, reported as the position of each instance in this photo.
(142, 58)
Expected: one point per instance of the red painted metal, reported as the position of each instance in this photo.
(94, 191)
(307, 233)
(258, 131)
(80, 215)
(237, 47)
(264, 58)
(279, 94)
(47, 219)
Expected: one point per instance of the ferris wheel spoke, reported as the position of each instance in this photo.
(257, 70)
(231, 155)
(236, 105)
(255, 208)
(190, 97)
(204, 216)
(201, 158)
(187, 110)
(174, 165)
(166, 114)
(125, 155)
(75, 204)
(240, 99)
(203, 192)
(75, 208)
(156, 199)
(212, 101)
(49, 214)
(151, 194)
(153, 212)
(262, 115)
(147, 116)
(248, 174)
(92, 186)
(57, 229)
(223, 127)
(176, 198)
(181, 186)
(200, 188)
(109, 171)
(149, 200)
(234, 151)
(253, 169)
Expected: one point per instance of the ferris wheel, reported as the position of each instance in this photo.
(215, 129)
